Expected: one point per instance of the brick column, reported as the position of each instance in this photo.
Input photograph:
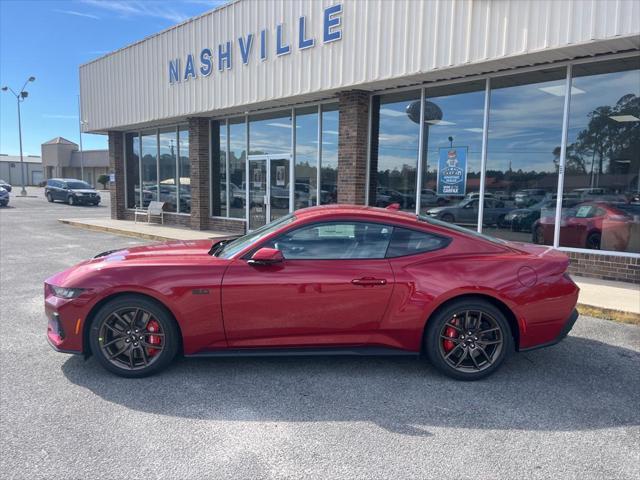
(352, 146)
(199, 160)
(116, 166)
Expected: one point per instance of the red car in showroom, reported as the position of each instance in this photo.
(323, 280)
(584, 225)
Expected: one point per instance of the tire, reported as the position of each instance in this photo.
(447, 217)
(480, 354)
(593, 241)
(538, 236)
(49, 198)
(146, 361)
(70, 200)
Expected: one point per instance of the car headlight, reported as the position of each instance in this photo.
(62, 292)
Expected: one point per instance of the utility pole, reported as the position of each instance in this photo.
(20, 97)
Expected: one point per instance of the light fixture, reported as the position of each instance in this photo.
(558, 90)
(439, 122)
(624, 118)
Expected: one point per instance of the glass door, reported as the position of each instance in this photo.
(269, 188)
(280, 187)
(258, 202)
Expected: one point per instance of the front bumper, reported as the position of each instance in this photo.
(566, 328)
(86, 199)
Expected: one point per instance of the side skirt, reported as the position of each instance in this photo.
(306, 352)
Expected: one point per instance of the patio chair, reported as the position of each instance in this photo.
(155, 209)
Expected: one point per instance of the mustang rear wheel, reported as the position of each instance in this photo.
(133, 336)
(468, 340)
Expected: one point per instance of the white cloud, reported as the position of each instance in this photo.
(129, 9)
(387, 112)
(59, 116)
(78, 14)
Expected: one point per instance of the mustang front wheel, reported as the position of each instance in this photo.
(133, 336)
(468, 340)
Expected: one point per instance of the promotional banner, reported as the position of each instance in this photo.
(452, 171)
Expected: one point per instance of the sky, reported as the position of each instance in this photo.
(50, 40)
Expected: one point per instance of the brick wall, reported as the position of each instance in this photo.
(352, 146)
(116, 166)
(607, 267)
(199, 160)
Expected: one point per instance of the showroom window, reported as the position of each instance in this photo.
(274, 150)
(157, 167)
(329, 154)
(525, 133)
(394, 151)
(237, 165)
(453, 142)
(306, 150)
(522, 156)
(602, 164)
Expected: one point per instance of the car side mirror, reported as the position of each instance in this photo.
(266, 256)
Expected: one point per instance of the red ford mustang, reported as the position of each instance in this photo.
(324, 280)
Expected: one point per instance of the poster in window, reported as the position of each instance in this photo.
(280, 174)
(258, 178)
(452, 171)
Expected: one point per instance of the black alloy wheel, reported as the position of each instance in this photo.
(538, 235)
(71, 200)
(447, 217)
(133, 336)
(49, 197)
(469, 340)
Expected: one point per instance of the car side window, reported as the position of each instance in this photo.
(410, 242)
(334, 241)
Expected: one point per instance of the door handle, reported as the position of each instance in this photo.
(368, 281)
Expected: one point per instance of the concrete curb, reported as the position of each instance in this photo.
(118, 231)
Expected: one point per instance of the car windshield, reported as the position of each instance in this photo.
(78, 185)
(460, 229)
(230, 249)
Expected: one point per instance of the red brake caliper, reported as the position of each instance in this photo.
(450, 332)
(153, 326)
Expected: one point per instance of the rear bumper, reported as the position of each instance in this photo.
(568, 325)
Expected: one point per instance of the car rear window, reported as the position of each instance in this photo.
(410, 242)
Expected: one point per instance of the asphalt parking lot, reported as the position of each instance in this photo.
(569, 411)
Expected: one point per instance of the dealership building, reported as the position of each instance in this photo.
(518, 119)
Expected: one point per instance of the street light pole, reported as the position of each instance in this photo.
(20, 98)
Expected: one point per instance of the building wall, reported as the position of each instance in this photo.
(383, 44)
(13, 174)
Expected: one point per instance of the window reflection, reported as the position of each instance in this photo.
(306, 187)
(394, 150)
(525, 132)
(453, 135)
(602, 166)
(149, 167)
(184, 174)
(167, 167)
(329, 160)
(237, 159)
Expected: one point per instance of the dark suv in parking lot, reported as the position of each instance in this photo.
(71, 191)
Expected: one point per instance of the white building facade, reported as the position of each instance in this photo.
(518, 119)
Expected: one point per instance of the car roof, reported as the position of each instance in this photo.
(327, 211)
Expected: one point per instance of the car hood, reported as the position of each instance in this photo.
(82, 190)
(165, 249)
(435, 211)
(96, 271)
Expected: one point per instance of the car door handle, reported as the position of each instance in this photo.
(369, 281)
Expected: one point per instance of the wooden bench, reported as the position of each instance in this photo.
(155, 209)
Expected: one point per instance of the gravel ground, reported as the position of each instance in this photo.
(569, 411)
